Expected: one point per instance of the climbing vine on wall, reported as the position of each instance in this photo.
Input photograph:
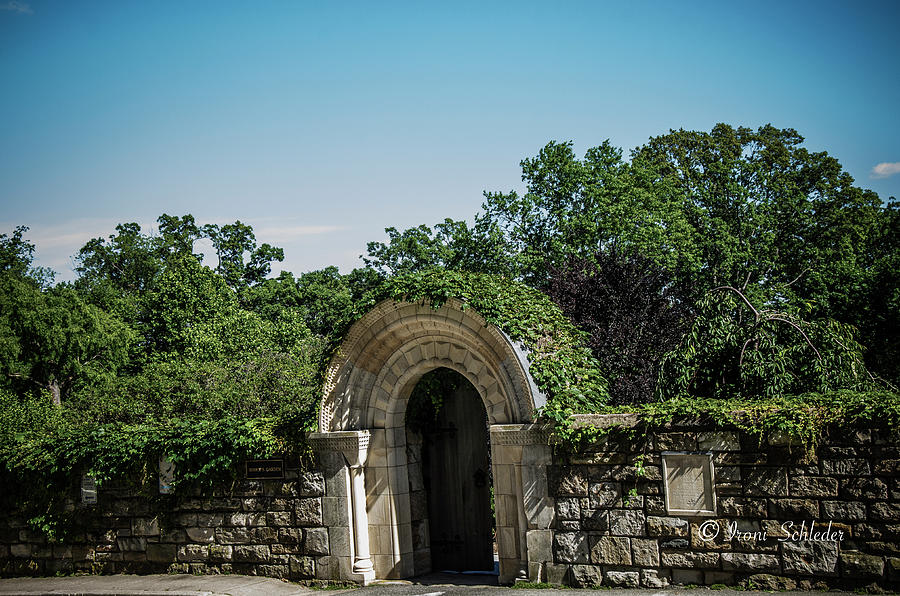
(560, 363)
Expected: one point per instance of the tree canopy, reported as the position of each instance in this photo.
(732, 266)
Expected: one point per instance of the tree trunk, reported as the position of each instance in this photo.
(55, 392)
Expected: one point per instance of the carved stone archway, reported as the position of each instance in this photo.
(362, 438)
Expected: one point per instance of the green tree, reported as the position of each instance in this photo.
(52, 340)
(452, 245)
(751, 209)
(234, 242)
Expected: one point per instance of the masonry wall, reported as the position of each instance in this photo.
(269, 527)
(611, 526)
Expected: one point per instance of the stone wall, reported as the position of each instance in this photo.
(267, 527)
(612, 528)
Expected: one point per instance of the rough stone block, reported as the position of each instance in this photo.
(809, 558)
(885, 511)
(557, 574)
(654, 505)
(690, 560)
(201, 535)
(243, 520)
(864, 488)
(250, 554)
(610, 550)
(193, 552)
(813, 486)
(793, 508)
(145, 526)
(312, 484)
(666, 526)
(232, 535)
(161, 553)
(645, 552)
(302, 567)
(888, 467)
(219, 553)
(675, 543)
(846, 467)
(750, 562)
(719, 441)
(704, 539)
(309, 512)
(650, 578)
(568, 508)
(687, 576)
(622, 579)
(765, 482)
(843, 510)
(604, 494)
(726, 474)
(539, 543)
(627, 523)
(742, 507)
(210, 520)
(586, 576)
(132, 543)
(263, 535)
(279, 518)
(863, 566)
(676, 441)
(595, 520)
(316, 541)
(571, 547)
(893, 568)
(20, 550)
(568, 482)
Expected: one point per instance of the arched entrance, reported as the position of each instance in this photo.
(449, 474)
(362, 435)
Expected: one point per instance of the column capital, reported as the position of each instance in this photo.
(353, 444)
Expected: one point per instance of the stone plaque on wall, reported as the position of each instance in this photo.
(689, 484)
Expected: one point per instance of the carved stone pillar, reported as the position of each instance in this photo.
(520, 493)
(353, 445)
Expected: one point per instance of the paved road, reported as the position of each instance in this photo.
(151, 585)
(240, 585)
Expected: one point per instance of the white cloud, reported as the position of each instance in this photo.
(19, 7)
(886, 169)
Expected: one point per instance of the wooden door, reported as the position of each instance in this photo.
(457, 478)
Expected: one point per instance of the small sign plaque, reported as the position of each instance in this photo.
(166, 475)
(258, 469)
(88, 490)
(689, 484)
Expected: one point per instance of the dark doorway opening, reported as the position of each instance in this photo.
(448, 416)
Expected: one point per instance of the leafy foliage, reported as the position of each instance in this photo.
(738, 349)
(632, 311)
(802, 419)
(560, 363)
(452, 245)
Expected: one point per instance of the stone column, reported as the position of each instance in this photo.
(519, 494)
(354, 564)
(362, 562)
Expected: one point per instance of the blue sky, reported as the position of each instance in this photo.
(322, 123)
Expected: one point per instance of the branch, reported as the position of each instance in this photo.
(797, 327)
(796, 279)
(739, 293)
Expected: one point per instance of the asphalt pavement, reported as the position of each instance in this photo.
(438, 584)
